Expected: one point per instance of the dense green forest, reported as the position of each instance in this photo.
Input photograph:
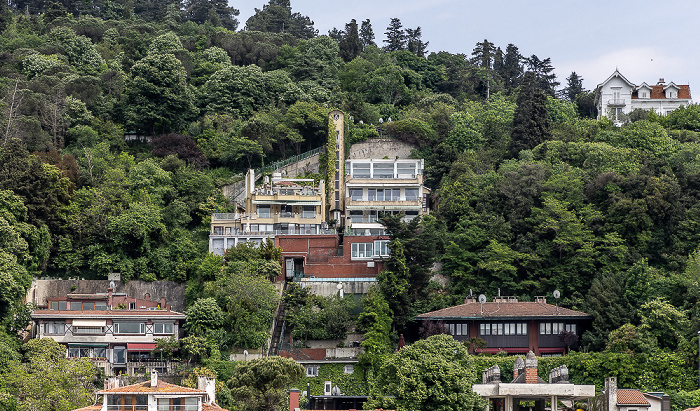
(530, 192)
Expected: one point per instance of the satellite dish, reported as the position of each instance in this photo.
(556, 294)
(482, 298)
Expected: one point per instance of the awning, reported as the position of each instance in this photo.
(140, 346)
(89, 323)
(290, 202)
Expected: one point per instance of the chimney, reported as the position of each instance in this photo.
(611, 393)
(154, 378)
(661, 82)
(665, 402)
(293, 399)
(541, 299)
(110, 290)
(162, 303)
(531, 368)
(518, 367)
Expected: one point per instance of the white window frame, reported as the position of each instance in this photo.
(381, 248)
(361, 251)
(312, 370)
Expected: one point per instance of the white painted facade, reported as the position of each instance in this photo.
(617, 96)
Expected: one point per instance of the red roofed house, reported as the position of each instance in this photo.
(116, 331)
(157, 395)
(619, 399)
(509, 325)
(618, 96)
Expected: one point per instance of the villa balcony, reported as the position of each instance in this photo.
(616, 102)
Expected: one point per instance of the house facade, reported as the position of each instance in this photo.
(516, 327)
(117, 332)
(617, 97)
(156, 395)
(625, 399)
(330, 232)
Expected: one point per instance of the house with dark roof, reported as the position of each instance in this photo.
(513, 326)
(617, 96)
(116, 331)
(156, 395)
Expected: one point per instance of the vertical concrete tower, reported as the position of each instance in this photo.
(336, 188)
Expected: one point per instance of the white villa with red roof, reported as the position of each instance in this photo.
(618, 96)
(116, 331)
(513, 326)
(157, 395)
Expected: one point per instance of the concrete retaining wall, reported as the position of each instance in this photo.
(380, 148)
(174, 293)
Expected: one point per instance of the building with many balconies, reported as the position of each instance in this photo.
(115, 331)
(618, 97)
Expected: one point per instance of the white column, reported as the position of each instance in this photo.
(554, 403)
(509, 403)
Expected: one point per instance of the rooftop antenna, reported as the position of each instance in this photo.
(556, 295)
(482, 300)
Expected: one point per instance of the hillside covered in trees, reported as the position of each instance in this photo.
(530, 191)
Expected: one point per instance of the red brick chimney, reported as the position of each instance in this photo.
(531, 368)
(293, 399)
(518, 367)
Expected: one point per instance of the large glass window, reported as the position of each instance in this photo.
(381, 248)
(163, 328)
(264, 211)
(383, 170)
(76, 306)
(308, 211)
(88, 330)
(406, 170)
(411, 194)
(356, 194)
(355, 216)
(129, 328)
(101, 305)
(484, 329)
(361, 170)
(119, 355)
(361, 250)
(54, 327)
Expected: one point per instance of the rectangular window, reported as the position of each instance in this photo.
(571, 328)
(129, 328)
(543, 328)
(521, 328)
(54, 327)
(88, 306)
(381, 248)
(406, 170)
(119, 355)
(99, 352)
(132, 306)
(411, 194)
(88, 330)
(548, 328)
(509, 329)
(308, 211)
(218, 230)
(101, 305)
(62, 305)
(361, 250)
(54, 305)
(484, 329)
(452, 329)
(361, 170)
(497, 328)
(356, 194)
(465, 329)
(76, 306)
(312, 370)
(264, 211)
(383, 170)
(458, 329)
(349, 369)
(163, 328)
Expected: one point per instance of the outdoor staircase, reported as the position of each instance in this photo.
(280, 325)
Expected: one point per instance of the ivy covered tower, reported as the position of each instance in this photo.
(335, 189)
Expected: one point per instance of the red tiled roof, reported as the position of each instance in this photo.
(89, 408)
(503, 310)
(207, 407)
(145, 387)
(631, 397)
(657, 92)
(692, 409)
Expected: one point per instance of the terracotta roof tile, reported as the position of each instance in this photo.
(206, 407)
(692, 409)
(145, 387)
(657, 92)
(89, 408)
(503, 310)
(631, 397)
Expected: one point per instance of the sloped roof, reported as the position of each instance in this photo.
(692, 409)
(503, 310)
(613, 75)
(657, 92)
(631, 397)
(43, 313)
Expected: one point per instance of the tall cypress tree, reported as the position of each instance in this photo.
(512, 69)
(350, 44)
(367, 34)
(531, 123)
(414, 43)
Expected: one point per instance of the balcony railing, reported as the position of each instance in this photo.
(227, 216)
(618, 102)
(273, 233)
